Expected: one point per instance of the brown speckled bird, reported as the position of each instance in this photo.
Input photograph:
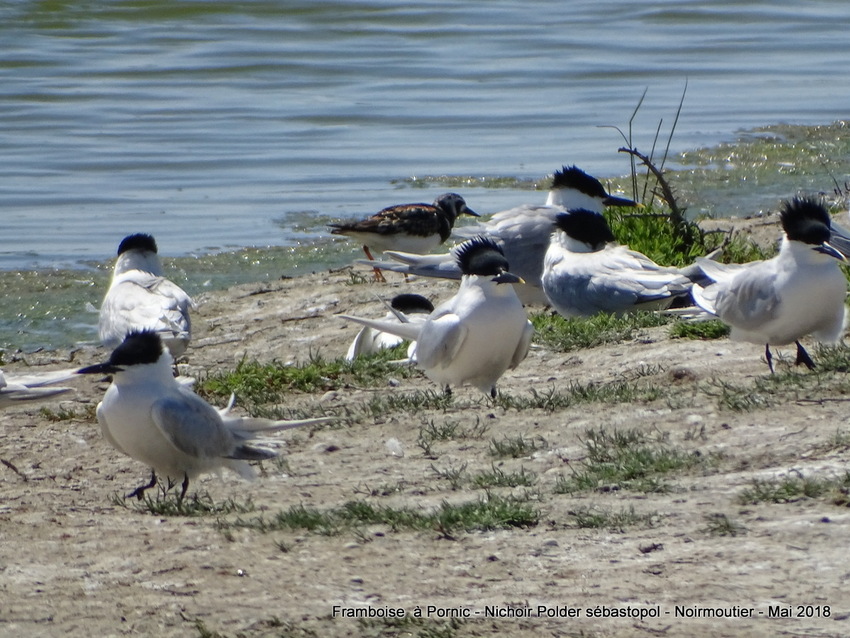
(413, 228)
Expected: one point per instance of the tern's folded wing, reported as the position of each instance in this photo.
(193, 426)
(440, 340)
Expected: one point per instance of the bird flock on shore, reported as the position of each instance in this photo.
(561, 255)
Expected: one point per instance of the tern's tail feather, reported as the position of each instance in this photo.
(440, 266)
(14, 394)
(720, 272)
(248, 453)
(409, 331)
(705, 297)
(245, 427)
(38, 379)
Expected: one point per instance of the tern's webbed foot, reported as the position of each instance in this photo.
(139, 492)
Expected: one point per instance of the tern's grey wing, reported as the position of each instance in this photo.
(439, 340)
(192, 426)
(152, 303)
(619, 280)
(749, 300)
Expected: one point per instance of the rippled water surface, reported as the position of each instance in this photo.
(218, 126)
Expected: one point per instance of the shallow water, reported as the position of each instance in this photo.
(218, 126)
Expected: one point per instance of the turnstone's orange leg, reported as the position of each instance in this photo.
(379, 276)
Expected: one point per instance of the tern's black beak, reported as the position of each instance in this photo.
(827, 249)
(469, 211)
(839, 239)
(101, 368)
(508, 278)
(610, 200)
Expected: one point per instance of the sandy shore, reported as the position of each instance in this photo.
(74, 561)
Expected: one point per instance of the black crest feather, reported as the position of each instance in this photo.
(409, 302)
(806, 219)
(574, 177)
(481, 256)
(585, 226)
(139, 241)
(138, 347)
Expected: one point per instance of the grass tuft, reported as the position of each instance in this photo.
(721, 525)
(497, 477)
(699, 330)
(574, 393)
(485, 514)
(796, 487)
(613, 520)
(515, 447)
(259, 383)
(565, 335)
(167, 502)
(624, 459)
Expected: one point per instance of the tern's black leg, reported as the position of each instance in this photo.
(139, 492)
(803, 357)
(184, 487)
(769, 357)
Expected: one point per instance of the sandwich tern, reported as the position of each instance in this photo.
(478, 334)
(523, 233)
(584, 272)
(149, 416)
(778, 301)
(16, 388)
(413, 228)
(141, 298)
(404, 308)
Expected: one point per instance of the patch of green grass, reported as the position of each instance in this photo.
(388, 403)
(515, 447)
(455, 475)
(650, 232)
(87, 413)
(256, 383)
(795, 487)
(703, 330)
(574, 393)
(497, 477)
(447, 431)
(565, 335)
(741, 249)
(451, 430)
(166, 502)
(625, 459)
(485, 514)
(721, 525)
(832, 358)
(789, 383)
(610, 519)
